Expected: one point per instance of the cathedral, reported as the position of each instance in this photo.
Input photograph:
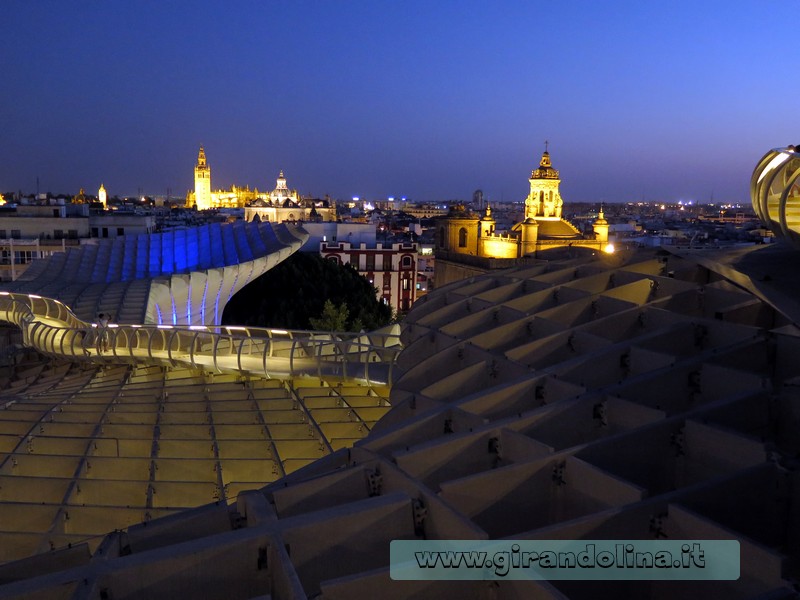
(466, 237)
(281, 204)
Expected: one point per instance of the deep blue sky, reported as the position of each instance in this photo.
(427, 99)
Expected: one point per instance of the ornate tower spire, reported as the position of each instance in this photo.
(281, 182)
(202, 181)
(601, 219)
(600, 226)
(544, 200)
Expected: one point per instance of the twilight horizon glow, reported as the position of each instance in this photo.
(424, 100)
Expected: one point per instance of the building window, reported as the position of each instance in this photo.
(72, 234)
(57, 234)
(462, 238)
(105, 232)
(120, 231)
(406, 284)
(370, 262)
(3, 234)
(406, 261)
(94, 232)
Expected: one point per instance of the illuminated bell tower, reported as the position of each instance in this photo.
(600, 226)
(102, 196)
(202, 182)
(544, 200)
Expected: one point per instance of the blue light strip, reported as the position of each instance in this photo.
(203, 304)
(189, 303)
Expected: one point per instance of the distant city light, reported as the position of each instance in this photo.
(369, 206)
(391, 198)
(356, 198)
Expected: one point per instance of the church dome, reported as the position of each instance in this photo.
(545, 170)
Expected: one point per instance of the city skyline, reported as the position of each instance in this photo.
(378, 100)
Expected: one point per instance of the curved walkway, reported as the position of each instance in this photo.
(50, 327)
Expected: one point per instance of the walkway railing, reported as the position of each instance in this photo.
(51, 328)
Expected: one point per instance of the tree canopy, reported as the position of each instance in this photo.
(300, 289)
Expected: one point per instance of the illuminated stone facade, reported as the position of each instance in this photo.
(464, 234)
(202, 182)
(283, 204)
(279, 205)
(390, 268)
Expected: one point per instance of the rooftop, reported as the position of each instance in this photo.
(640, 395)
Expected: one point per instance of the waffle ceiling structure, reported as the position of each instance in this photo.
(183, 276)
(645, 396)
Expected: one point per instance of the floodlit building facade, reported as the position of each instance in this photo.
(102, 196)
(390, 268)
(465, 240)
(279, 205)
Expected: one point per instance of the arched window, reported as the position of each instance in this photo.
(462, 238)
(406, 261)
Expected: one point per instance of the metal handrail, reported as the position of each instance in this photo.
(52, 328)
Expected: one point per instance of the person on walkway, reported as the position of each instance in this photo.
(102, 333)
